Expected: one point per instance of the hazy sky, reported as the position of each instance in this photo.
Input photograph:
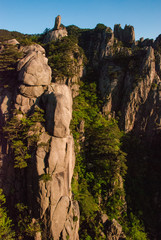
(33, 16)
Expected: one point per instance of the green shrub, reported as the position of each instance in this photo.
(45, 177)
(99, 163)
(63, 57)
(100, 27)
(23, 136)
(26, 226)
(6, 225)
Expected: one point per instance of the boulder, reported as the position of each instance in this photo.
(12, 42)
(33, 48)
(33, 68)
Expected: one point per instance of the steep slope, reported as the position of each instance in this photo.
(116, 83)
(47, 180)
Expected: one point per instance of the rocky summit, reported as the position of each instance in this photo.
(80, 127)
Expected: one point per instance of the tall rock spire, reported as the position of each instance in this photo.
(57, 22)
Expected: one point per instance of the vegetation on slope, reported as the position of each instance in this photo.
(100, 169)
(23, 134)
(6, 231)
(98, 182)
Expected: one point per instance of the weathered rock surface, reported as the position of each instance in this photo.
(57, 22)
(58, 101)
(12, 42)
(125, 35)
(31, 91)
(54, 196)
(124, 91)
(33, 69)
(57, 33)
(157, 43)
(99, 44)
(49, 200)
(114, 230)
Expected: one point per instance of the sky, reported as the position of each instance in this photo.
(34, 16)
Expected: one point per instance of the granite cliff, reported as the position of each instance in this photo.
(39, 158)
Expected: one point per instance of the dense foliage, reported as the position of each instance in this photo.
(63, 57)
(6, 231)
(100, 167)
(23, 134)
(8, 62)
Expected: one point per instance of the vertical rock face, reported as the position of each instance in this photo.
(125, 90)
(50, 200)
(55, 197)
(125, 35)
(57, 33)
(57, 22)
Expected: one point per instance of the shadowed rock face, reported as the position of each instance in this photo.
(125, 35)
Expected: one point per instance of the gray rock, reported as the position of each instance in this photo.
(58, 101)
(55, 35)
(33, 68)
(158, 64)
(12, 42)
(59, 217)
(71, 226)
(24, 103)
(146, 43)
(157, 43)
(114, 230)
(31, 91)
(33, 48)
(57, 22)
(125, 35)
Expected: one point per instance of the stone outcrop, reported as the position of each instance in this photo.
(33, 68)
(12, 42)
(157, 43)
(54, 196)
(126, 35)
(57, 33)
(114, 230)
(123, 90)
(99, 44)
(57, 22)
(50, 200)
(58, 102)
